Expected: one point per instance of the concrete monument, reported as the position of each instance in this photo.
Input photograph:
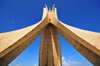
(15, 42)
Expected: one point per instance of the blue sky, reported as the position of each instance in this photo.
(17, 14)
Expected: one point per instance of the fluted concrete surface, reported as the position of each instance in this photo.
(50, 51)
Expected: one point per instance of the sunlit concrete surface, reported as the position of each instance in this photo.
(15, 42)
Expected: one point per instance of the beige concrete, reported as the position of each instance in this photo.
(86, 42)
(14, 42)
(50, 51)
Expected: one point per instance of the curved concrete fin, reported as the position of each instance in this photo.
(92, 38)
(9, 38)
(87, 42)
(45, 11)
(87, 38)
(54, 10)
(14, 42)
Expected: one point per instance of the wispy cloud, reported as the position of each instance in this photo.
(13, 22)
(17, 64)
(63, 58)
(65, 63)
(35, 65)
(70, 63)
(71, 57)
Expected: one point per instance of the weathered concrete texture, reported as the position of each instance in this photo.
(89, 51)
(86, 52)
(81, 43)
(50, 51)
(19, 49)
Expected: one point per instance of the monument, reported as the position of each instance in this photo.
(15, 42)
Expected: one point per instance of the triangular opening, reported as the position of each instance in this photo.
(70, 56)
(30, 56)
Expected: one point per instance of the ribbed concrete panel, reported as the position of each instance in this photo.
(50, 51)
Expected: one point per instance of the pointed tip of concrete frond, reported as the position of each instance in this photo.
(53, 7)
(45, 5)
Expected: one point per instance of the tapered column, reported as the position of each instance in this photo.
(50, 51)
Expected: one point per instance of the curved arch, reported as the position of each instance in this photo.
(14, 42)
(85, 42)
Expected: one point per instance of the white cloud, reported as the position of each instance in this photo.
(17, 64)
(63, 58)
(65, 63)
(35, 65)
(70, 63)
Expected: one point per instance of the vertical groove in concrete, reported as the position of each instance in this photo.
(50, 51)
